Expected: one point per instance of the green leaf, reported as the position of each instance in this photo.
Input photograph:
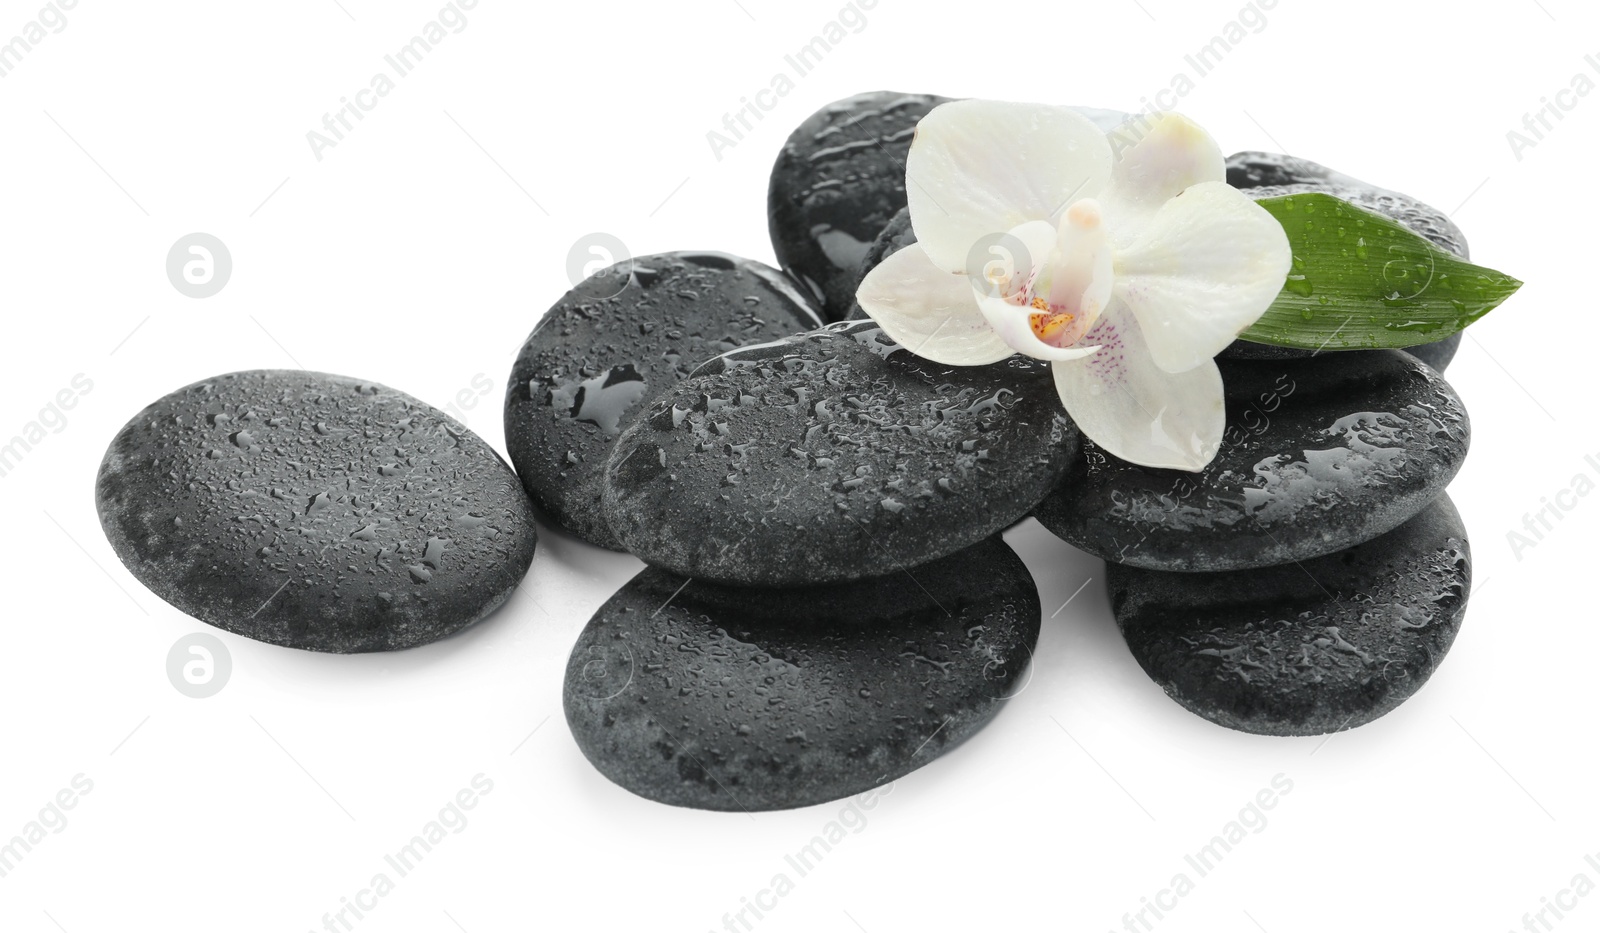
(1361, 281)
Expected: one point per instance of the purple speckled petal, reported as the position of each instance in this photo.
(1134, 409)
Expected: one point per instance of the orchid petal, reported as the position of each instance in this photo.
(1157, 157)
(930, 312)
(1104, 120)
(1012, 323)
(1137, 411)
(1208, 265)
(977, 168)
(1006, 263)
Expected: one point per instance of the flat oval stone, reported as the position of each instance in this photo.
(839, 178)
(314, 511)
(1307, 649)
(1271, 175)
(613, 343)
(833, 456)
(1319, 455)
(724, 698)
(1439, 353)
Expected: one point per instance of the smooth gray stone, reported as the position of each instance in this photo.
(840, 177)
(1319, 455)
(833, 456)
(743, 699)
(1326, 645)
(314, 511)
(613, 343)
(1269, 175)
(1439, 353)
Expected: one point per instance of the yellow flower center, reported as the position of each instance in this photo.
(1049, 324)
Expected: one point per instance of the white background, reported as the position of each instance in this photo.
(419, 253)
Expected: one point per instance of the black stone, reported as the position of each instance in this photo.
(1307, 649)
(833, 456)
(1264, 175)
(840, 177)
(1439, 353)
(612, 344)
(1319, 455)
(737, 699)
(314, 511)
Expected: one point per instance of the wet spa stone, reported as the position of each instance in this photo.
(833, 456)
(839, 178)
(739, 699)
(314, 511)
(1271, 175)
(1303, 649)
(1439, 353)
(1319, 455)
(612, 344)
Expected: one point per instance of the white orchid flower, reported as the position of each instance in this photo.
(1129, 273)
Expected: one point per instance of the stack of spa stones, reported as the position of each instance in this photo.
(828, 603)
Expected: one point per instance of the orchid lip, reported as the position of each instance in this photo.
(1063, 296)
